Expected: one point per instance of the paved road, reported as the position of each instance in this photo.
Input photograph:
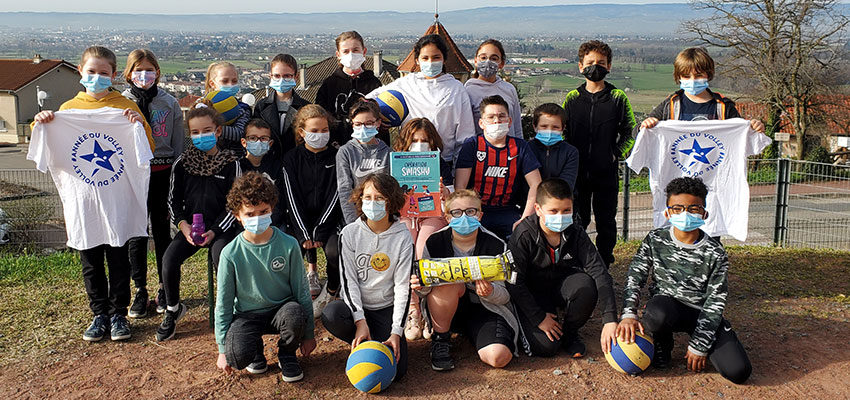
(15, 157)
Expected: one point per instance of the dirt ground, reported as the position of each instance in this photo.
(793, 324)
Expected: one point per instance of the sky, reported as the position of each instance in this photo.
(278, 6)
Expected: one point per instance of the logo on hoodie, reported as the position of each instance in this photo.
(380, 262)
(97, 159)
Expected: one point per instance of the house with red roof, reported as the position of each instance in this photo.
(20, 79)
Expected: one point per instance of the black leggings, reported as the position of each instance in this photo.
(160, 230)
(577, 295)
(332, 257)
(339, 321)
(178, 251)
(107, 295)
(665, 315)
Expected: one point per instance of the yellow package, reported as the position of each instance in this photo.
(440, 271)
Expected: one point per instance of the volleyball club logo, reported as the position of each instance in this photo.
(697, 153)
(97, 159)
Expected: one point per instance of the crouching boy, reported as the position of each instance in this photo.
(262, 288)
(688, 290)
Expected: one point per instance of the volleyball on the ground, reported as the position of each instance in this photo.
(393, 107)
(371, 367)
(226, 105)
(632, 358)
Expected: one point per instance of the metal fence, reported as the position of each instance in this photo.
(792, 203)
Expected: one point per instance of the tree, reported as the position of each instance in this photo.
(788, 46)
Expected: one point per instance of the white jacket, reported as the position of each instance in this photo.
(443, 100)
(478, 89)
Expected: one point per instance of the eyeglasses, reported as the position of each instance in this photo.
(495, 117)
(457, 212)
(693, 208)
(358, 124)
(264, 139)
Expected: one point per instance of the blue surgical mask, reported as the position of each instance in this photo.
(558, 222)
(282, 85)
(431, 68)
(258, 148)
(258, 224)
(230, 90)
(375, 210)
(693, 87)
(96, 83)
(364, 133)
(548, 138)
(464, 225)
(204, 142)
(686, 221)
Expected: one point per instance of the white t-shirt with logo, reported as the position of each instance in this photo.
(99, 162)
(716, 152)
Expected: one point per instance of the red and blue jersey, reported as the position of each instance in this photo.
(496, 171)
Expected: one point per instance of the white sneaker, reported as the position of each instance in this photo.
(413, 328)
(315, 286)
(320, 302)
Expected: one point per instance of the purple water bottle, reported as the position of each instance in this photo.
(198, 228)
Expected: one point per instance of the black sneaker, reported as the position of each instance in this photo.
(574, 345)
(289, 368)
(120, 327)
(139, 308)
(663, 354)
(441, 353)
(168, 326)
(97, 329)
(160, 301)
(259, 365)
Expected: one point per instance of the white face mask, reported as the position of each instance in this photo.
(352, 61)
(316, 140)
(496, 131)
(420, 146)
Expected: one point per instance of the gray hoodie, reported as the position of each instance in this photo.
(375, 270)
(166, 126)
(354, 161)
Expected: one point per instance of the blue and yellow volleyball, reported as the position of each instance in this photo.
(393, 107)
(226, 105)
(371, 367)
(632, 358)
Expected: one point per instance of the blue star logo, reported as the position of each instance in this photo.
(699, 153)
(99, 157)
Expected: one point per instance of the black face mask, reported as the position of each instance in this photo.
(594, 72)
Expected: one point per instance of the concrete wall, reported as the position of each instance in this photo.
(61, 84)
(8, 114)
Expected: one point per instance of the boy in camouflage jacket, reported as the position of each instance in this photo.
(688, 289)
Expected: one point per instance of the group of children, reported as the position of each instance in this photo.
(286, 178)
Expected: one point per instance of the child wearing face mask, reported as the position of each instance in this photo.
(376, 253)
(559, 271)
(163, 114)
(480, 310)
(108, 299)
(258, 142)
(419, 134)
(224, 77)
(311, 200)
(495, 165)
(489, 60)
(280, 104)
(694, 101)
(433, 94)
(599, 125)
(200, 180)
(350, 82)
(688, 291)
(557, 157)
(364, 154)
